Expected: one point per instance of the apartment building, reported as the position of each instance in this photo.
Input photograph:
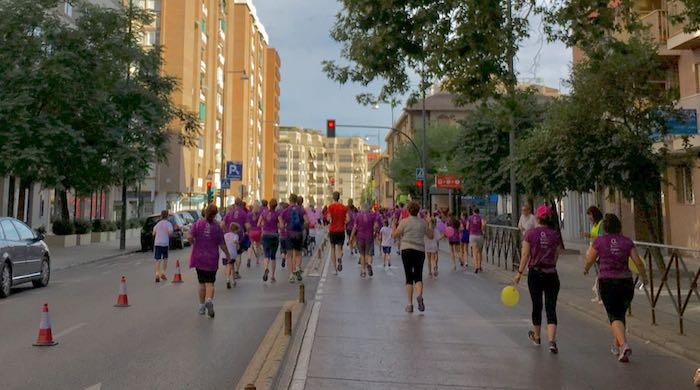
(271, 122)
(315, 166)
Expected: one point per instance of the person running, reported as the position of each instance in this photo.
(387, 243)
(613, 251)
(432, 251)
(464, 239)
(284, 242)
(476, 238)
(362, 235)
(254, 232)
(269, 223)
(527, 220)
(293, 219)
(453, 240)
(162, 232)
(540, 252)
(338, 216)
(231, 240)
(239, 215)
(412, 232)
(352, 212)
(207, 237)
(595, 216)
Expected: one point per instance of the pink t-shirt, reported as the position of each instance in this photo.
(614, 252)
(475, 227)
(364, 223)
(205, 251)
(544, 243)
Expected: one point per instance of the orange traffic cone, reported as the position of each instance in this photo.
(177, 278)
(45, 338)
(122, 299)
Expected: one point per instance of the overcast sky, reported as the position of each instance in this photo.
(299, 30)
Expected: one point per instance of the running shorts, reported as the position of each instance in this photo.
(477, 241)
(336, 238)
(204, 276)
(295, 241)
(160, 252)
(386, 250)
(365, 247)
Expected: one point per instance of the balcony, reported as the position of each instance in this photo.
(679, 39)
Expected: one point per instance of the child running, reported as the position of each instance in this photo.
(231, 240)
(454, 243)
(387, 243)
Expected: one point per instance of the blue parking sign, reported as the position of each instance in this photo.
(234, 170)
(225, 184)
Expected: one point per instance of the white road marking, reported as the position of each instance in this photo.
(69, 330)
(97, 386)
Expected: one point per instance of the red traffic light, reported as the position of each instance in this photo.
(208, 185)
(419, 183)
(330, 128)
(332, 180)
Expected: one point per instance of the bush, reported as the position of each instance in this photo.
(62, 228)
(109, 226)
(98, 225)
(135, 223)
(82, 226)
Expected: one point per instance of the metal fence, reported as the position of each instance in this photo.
(673, 271)
(502, 246)
(668, 271)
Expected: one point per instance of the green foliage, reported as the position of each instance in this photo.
(82, 226)
(484, 150)
(61, 227)
(690, 15)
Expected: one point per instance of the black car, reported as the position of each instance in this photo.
(177, 240)
(24, 257)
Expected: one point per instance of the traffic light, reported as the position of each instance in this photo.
(419, 183)
(330, 128)
(210, 192)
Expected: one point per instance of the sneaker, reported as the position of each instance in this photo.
(228, 284)
(369, 270)
(363, 275)
(272, 279)
(625, 353)
(292, 279)
(284, 262)
(421, 304)
(201, 310)
(340, 265)
(389, 264)
(248, 263)
(409, 309)
(553, 347)
(163, 277)
(209, 305)
(298, 274)
(615, 350)
(237, 275)
(157, 279)
(535, 340)
(265, 275)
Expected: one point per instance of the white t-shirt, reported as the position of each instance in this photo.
(527, 222)
(162, 232)
(231, 240)
(385, 232)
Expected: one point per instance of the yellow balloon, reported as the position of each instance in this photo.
(632, 266)
(510, 296)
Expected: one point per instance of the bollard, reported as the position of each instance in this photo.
(287, 322)
(250, 386)
(302, 293)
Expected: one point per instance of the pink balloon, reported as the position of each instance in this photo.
(441, 226)
(255, 235)
(449, 231)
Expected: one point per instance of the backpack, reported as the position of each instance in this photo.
(296, 219)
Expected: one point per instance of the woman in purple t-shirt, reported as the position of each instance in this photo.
(615, 278)
(269, 223)
(476, 237)
(206, 238)
(540, 253)
(362, 236)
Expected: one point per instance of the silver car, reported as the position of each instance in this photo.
(24, 257)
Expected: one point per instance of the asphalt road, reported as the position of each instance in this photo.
(466, 339)
(160, 342)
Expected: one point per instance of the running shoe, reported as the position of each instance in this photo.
(363, 275)
(210, 308)
(237, 275)
(163, 277)
(228, 284)
(248, 263)
(390, 264)
(157, 279)
(553, 347)
(292, 279)
(273, 280)
(284, 261)
(202, 310)
(369, 270)
(535, 340)
(625, 353)
(340, 265)
(615, 350)
(298, 274)
(421, 304)
(265, 275)
(409, 309)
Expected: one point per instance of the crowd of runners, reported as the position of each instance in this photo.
(266, 232)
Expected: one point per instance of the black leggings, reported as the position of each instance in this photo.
(413, 265)
(547, 284)
(617, 297)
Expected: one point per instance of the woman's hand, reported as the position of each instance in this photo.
(517, 278)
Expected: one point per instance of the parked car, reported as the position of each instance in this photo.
(177, 240)
(24, 257)
(197, 215)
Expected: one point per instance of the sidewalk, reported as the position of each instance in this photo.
(359, 337)
(62, 258)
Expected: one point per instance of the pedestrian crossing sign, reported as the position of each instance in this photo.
(420, 174)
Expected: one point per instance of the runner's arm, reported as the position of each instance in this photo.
(591, 256)
(637, 260)
(524, 257)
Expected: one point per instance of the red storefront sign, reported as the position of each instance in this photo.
(448, 181)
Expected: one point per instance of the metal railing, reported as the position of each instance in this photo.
(668, 270)
(502, 246)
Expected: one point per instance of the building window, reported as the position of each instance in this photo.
(150, 38)
(202, 112)
(684, 185)
(697, 77)
(68, 9)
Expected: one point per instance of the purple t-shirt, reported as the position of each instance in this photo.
(614, 253)
(364, 223)
(544, 243)
(270, 221)
(205, 251)
(287, 216)
(475, 225)
(351, 219)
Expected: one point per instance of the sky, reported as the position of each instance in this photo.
(299, 30)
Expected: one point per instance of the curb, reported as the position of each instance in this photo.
(114, 256)
(636, 328)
